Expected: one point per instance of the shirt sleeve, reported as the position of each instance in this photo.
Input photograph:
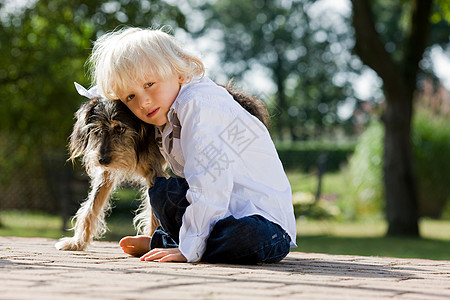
(208, 171)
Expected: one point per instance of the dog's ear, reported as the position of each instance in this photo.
(89, 111)
(79, 139)
(145, 133)
(145, 137)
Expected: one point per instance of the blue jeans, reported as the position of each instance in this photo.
(248, 240)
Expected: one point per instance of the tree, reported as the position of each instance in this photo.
(396, 59)
(301, 54)
(44, 48)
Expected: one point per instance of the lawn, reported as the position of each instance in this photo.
(364, 236)
(350, 238)
(368, 239)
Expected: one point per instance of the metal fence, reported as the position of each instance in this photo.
(47, 183)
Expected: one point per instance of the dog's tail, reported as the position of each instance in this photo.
(250, 103)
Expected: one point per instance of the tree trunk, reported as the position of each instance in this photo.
(281, 108)
(400, 192)
(399, 83)
(281, 97)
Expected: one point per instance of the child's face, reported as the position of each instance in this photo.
(150, 100)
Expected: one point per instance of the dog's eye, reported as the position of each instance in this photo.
(98, 133)
(119, 130)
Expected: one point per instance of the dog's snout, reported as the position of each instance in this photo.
(104, 160)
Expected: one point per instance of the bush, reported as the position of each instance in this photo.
(431, 138)
(364, 170)
(306, 206)
(304, 156)
(431, 142)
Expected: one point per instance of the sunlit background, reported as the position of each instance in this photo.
(298, 56)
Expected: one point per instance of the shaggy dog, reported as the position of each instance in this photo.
(115, 146)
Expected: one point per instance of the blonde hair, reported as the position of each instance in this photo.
(129, 54)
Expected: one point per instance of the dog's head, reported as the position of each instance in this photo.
(107, 134)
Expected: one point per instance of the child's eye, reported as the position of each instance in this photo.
(147, 85)
(130, 97)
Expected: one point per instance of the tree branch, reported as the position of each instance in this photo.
(369, 46)
(417, 40)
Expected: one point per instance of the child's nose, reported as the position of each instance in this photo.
(143, 101)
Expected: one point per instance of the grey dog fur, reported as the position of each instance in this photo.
(115, 146)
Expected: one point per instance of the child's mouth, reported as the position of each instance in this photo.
(153, 112)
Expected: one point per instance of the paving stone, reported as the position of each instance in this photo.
(31, 268)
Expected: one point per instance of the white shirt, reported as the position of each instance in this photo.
(229, 161)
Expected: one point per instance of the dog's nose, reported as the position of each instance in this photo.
(104, 160)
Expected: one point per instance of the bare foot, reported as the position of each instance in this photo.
(135, 245)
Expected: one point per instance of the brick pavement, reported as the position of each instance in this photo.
(34, 269)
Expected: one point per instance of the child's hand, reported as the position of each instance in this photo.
(164, 254)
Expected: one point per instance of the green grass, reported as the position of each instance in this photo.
(36, 224)
(332, 183)
(363, 237)
(368, 239)
(335, 200)
(377, 246)
(30, 224)
(347, 238)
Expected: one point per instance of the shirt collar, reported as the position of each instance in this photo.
(184, 87)
(172, 107)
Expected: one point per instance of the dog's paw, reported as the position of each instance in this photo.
(70, 244)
